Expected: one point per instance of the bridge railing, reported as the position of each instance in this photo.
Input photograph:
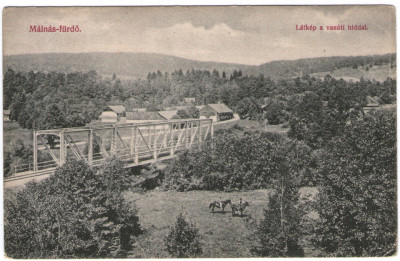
(132, 142)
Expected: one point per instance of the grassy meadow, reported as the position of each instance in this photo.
(377, 73)
(222, 235)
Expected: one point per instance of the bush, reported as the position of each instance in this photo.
(75, 213)
(238, 160)
(18, 156)
(183, 239)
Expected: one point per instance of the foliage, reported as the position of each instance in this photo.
(40, 100)
(358, 189)
(20, 155)
(189, 113)
(182, 240)
(237, 160)
(275, 113)
(316, 119)
(248, 108)
(75, 213)
(279, 232)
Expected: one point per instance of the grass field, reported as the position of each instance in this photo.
(222, 235)
(379, 73)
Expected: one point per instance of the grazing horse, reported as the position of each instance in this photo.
(217, 204)
(239, 207)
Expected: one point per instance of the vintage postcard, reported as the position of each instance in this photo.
(199, 131)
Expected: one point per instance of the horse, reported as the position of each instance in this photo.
(216, 204)
(239, 207)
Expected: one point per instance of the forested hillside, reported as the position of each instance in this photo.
(137, 65)
(129, 65)
(282, 69)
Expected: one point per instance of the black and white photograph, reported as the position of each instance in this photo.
(233, 131)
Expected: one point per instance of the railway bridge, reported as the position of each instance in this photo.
(134, 144)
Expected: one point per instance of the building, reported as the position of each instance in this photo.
(176, 108)
(6, 115)
(169, 115)
(113, 114)
(139, 109)
(372, 104)
(189, 100)
(143, 116)
(216, 111)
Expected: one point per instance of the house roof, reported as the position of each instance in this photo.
(372, 100)
(117, 108)
(108, 114)
(142, 115)
(174, 108)
(6, 112)
(167, 114)
(139, 109)
(219, 107)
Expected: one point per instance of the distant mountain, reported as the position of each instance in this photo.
(293, 68)
(136, 65)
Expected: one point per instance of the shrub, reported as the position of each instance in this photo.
(72, 214)
(238, 160)
(18, 156)
(183, 239)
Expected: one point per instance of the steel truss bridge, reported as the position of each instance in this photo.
(134, 144)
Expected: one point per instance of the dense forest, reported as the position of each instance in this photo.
(40, 100)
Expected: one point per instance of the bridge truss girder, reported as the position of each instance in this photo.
(135, 144)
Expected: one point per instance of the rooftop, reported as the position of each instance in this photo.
(168, 114)
(219, 107)
(117, 108)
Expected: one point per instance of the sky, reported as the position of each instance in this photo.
(236, 34)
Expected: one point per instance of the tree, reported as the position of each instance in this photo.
(72, 214)
(248, 108)
(357, 205)
(17, 105)
(182, 114)
(280, 231)
(193, 112)
(275, 113)
(53, 118)
(182, 240)
(15, 155)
